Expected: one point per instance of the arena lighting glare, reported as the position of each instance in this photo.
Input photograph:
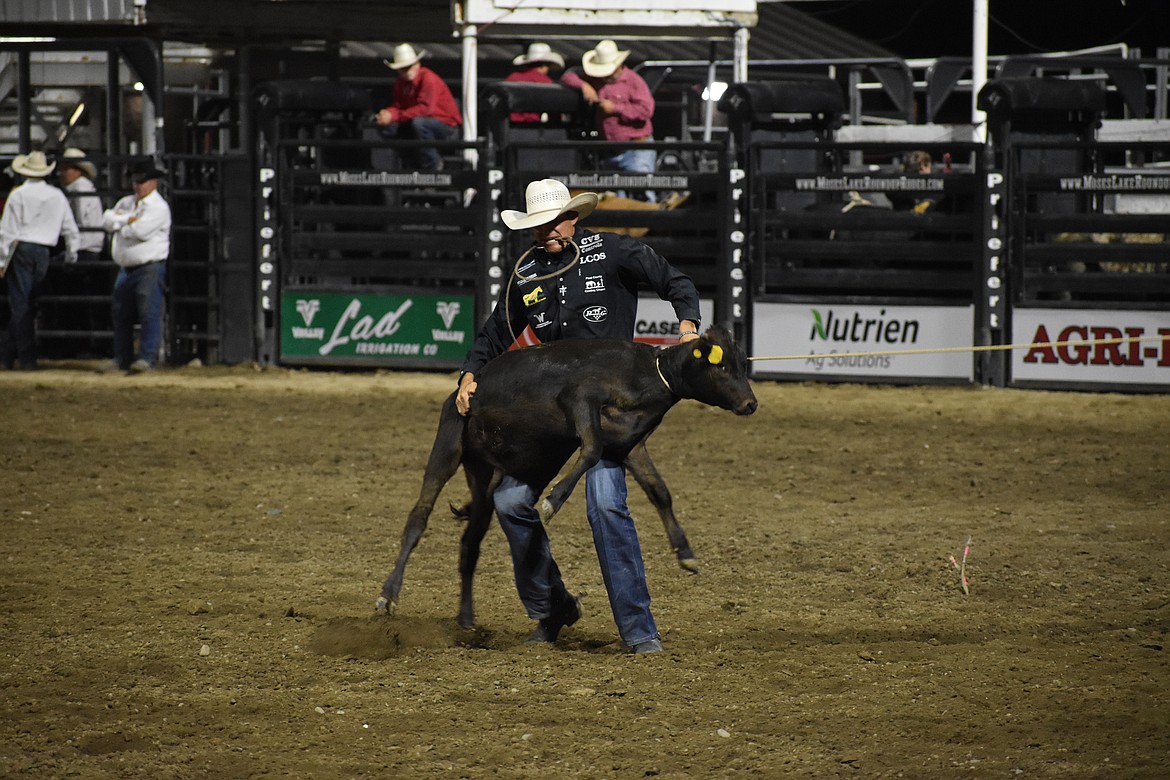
(21, 39)
(138, 87)
(715, 90)
(77, 112)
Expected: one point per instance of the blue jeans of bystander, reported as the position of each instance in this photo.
(138, 297)
(422, 128)
(635, 161)
(25, 275)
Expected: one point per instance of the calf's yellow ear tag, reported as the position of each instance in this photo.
(716, 356)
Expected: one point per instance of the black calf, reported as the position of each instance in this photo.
(535, 407)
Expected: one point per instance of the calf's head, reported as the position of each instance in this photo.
(714, 370)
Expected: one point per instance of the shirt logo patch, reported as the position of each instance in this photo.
(534, 297)
(594, 284)
(521, 272)
(595, 313)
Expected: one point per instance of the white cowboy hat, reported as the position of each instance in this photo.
(604, 60)
(404, 56)
(73, 157)
(540, 52)
(546, 200)
(34, 165)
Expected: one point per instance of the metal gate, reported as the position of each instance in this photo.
(360, 261)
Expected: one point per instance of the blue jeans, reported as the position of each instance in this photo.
(138, 297)
(422, 128)
(25, 275)
(635, 161)
(538, 579)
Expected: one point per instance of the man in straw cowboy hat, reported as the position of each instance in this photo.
(35, 217)
(140, 226)
(77, 175)
(622, 104)
(422, 108)
(533, 67)
(596, 299)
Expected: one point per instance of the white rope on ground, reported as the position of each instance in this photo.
(986, 348)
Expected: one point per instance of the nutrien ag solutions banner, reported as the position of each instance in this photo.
(824, 340)
(373, 328)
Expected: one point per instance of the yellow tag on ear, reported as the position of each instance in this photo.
(698, 354)
(716, 356)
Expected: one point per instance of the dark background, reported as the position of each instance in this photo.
(932, 28)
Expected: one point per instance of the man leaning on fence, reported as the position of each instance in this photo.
(622, 104)
(140, 225)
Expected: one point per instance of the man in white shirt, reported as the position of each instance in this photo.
(141, 228)
(77, 175)
(35, 217)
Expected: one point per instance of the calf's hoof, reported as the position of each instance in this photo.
(546, 511)
(690, 564)
(385, 605)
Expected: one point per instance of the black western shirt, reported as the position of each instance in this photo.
(597, 298)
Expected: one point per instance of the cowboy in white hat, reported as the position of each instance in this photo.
(140, 243)
(77, 175)
(533, 67)
(33, 165)
(539, 54)
(623, 106)
(36, 215)
(422, 108)
(597, 299)
(547, 200)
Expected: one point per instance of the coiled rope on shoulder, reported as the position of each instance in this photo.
(516, 275)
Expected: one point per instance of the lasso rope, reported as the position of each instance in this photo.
(986, 348)
(516, 275)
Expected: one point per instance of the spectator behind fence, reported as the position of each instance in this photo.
(917, 163)
(622, 103)
(533, 67)
(140, 226)
(422, 108)
(36, 216)
(77, 175)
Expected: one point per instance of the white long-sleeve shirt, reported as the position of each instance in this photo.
(147, 238)
(37, 212)
(87, 211)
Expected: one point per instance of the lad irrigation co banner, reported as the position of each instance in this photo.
(375, 329)
(826, 333)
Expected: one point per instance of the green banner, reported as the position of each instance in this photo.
(323, 327)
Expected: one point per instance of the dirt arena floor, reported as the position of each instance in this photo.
(190, 563)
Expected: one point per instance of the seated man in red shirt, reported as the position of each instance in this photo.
(422, 108)
(533, 67)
